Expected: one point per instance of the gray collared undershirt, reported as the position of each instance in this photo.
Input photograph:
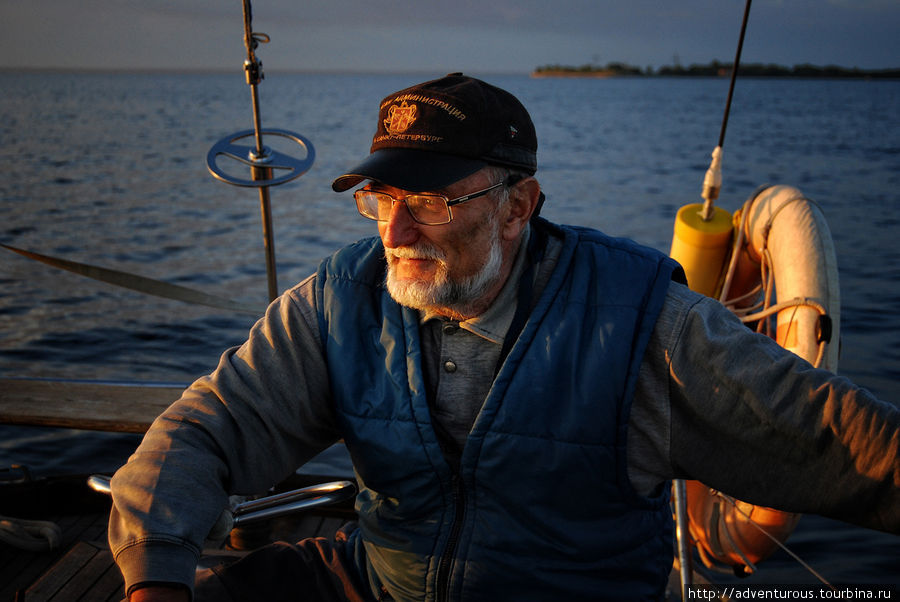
(460, 357)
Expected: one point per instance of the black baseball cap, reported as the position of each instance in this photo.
(436, 133)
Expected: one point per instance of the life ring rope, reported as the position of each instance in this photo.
(795, 302)
(738, 244)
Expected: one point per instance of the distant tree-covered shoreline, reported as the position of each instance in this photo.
(716, 69)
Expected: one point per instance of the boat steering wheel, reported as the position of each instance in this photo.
(284, 167)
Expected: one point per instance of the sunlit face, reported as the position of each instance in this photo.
(448, 268)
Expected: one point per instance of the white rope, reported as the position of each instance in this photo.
(795, 302)
(749, 295)
(736, 254)
(32, 535)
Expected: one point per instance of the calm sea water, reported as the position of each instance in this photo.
(109, 169)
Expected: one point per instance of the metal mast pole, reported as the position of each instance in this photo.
(253, 71)
(268, 167)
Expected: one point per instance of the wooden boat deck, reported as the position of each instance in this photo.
(85, 572)
(82, 569)
(82, 565)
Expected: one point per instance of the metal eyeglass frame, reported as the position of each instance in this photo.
(447, 202)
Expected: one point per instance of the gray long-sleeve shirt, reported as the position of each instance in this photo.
(714, 402)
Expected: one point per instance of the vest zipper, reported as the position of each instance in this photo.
(446, 562)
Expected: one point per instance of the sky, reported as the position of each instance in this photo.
(481, 36)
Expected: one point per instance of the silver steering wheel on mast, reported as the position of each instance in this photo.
(284, 167)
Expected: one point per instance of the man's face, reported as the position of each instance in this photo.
(447, 268)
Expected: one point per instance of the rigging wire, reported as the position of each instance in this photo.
(777, 542)
(734, 70)
(712, 182)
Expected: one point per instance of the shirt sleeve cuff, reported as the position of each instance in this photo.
(157, 561)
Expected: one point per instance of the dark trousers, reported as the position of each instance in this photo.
(312, 569)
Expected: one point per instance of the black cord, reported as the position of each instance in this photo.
(734, 70)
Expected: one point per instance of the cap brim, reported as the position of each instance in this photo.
(409, 169)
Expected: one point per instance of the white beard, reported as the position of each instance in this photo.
(441, 292)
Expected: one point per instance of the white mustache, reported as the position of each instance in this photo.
(419, 251)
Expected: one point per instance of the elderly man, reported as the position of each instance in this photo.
(515, 396)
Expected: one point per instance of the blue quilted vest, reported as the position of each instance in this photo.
(541, 507)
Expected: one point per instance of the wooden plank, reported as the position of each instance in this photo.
(111, 586)
(82, 585)
(90, 528)
(84, 405)
(97, 532)
(13, 563)
(56, 578)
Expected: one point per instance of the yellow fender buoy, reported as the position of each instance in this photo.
(701, 246)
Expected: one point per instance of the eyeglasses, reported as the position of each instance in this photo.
(427, 209)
